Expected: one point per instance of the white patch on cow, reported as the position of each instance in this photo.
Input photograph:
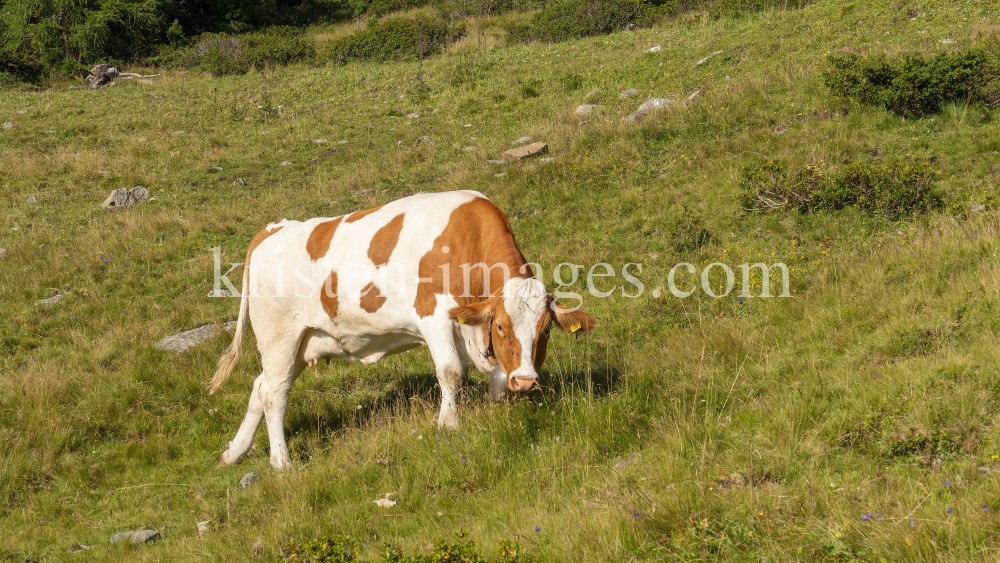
(525, 300)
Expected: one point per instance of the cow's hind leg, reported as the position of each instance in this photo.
(244, 437)
(280, 371)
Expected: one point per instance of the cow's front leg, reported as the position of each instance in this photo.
(449, 378)
(448, 366)
(244, 437)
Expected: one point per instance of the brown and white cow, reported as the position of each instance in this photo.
(436, 269)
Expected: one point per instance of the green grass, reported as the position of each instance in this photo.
(695, 429)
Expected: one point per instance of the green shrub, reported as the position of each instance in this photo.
(561, 20)
(395, 39)
(890, 188)
(460, 9)
(914, 85)
(223, 54)
(379, 8)
(344, 550)
(725, 8)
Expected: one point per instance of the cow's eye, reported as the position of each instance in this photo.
(500, 330)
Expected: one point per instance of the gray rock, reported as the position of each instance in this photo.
(123, 198)
(78, 547)
(977, 208)
(286, 163)
(468, 149)
(220, 169)
(249, 479)
(500, 175)
(183, 341)
(488, 161)
(546, 159)
(705, 60)
(521, 141)
(424, 139)
(100, 76)
(523, 152)
(584, 110)
(31, 199)
(694, 94)
(319, 141)
(3, 252)
(202, 528)
(649, 106)
(51, 300)
(8, 125)
(135, 538)
(630, 93)
(592, 93)
(656, 49)
(413, 116)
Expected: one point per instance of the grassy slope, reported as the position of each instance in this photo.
(863, 393)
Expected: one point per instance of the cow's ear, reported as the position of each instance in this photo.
(573, 320)
(475, 314)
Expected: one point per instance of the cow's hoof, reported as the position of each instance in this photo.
(448, 422)
(226, 459)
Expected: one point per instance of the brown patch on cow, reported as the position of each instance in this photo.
(328, 296)
(359, 215)
(371, 297)
(319, 239)
(477, 232)
(506, 346)
(384, 241)
(254, 243)
(541, 340)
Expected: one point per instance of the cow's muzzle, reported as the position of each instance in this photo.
(521, 384)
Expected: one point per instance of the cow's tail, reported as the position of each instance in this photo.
(228, 360)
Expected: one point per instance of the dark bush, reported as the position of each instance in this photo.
(914, 85)
(561, 20)
(459, 9)
(379, 8)
(223, 54)
(890, 188)
(725, 8)
(887, 188)
(395, 39)
(344, 550)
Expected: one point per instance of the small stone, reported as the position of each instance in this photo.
(650, 105)
(984, 470)
(3, 252)
(546, 159)
(413, 116)
(123, 198)
(319, 141)
(705, 60)
(424, 139)
(497, 162)
(240, 181)
(630, 93)
(523, 152)
(31, 199)
(22, 111)
(726, 78)
(181, 132)
(584, 110)
(248, 479)
(78, 547)
(977, 208)
(592, 93)
(216, 168)
(341, 142)
(8, 125)
(51, 300)
(286, 163)
(202, 528)
(467, 149)
(135, 538)
(521, 141)
(655, 49)
(500, 175)
(694, 95)
(181, 342)
(663, 176)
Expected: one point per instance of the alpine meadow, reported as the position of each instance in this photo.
(844, 406)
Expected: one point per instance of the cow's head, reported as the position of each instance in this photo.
(516, 325)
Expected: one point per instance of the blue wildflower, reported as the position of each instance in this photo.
(537, 529)
(949, 510)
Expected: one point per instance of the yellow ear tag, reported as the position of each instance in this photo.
(575, 327)
(461, 320)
